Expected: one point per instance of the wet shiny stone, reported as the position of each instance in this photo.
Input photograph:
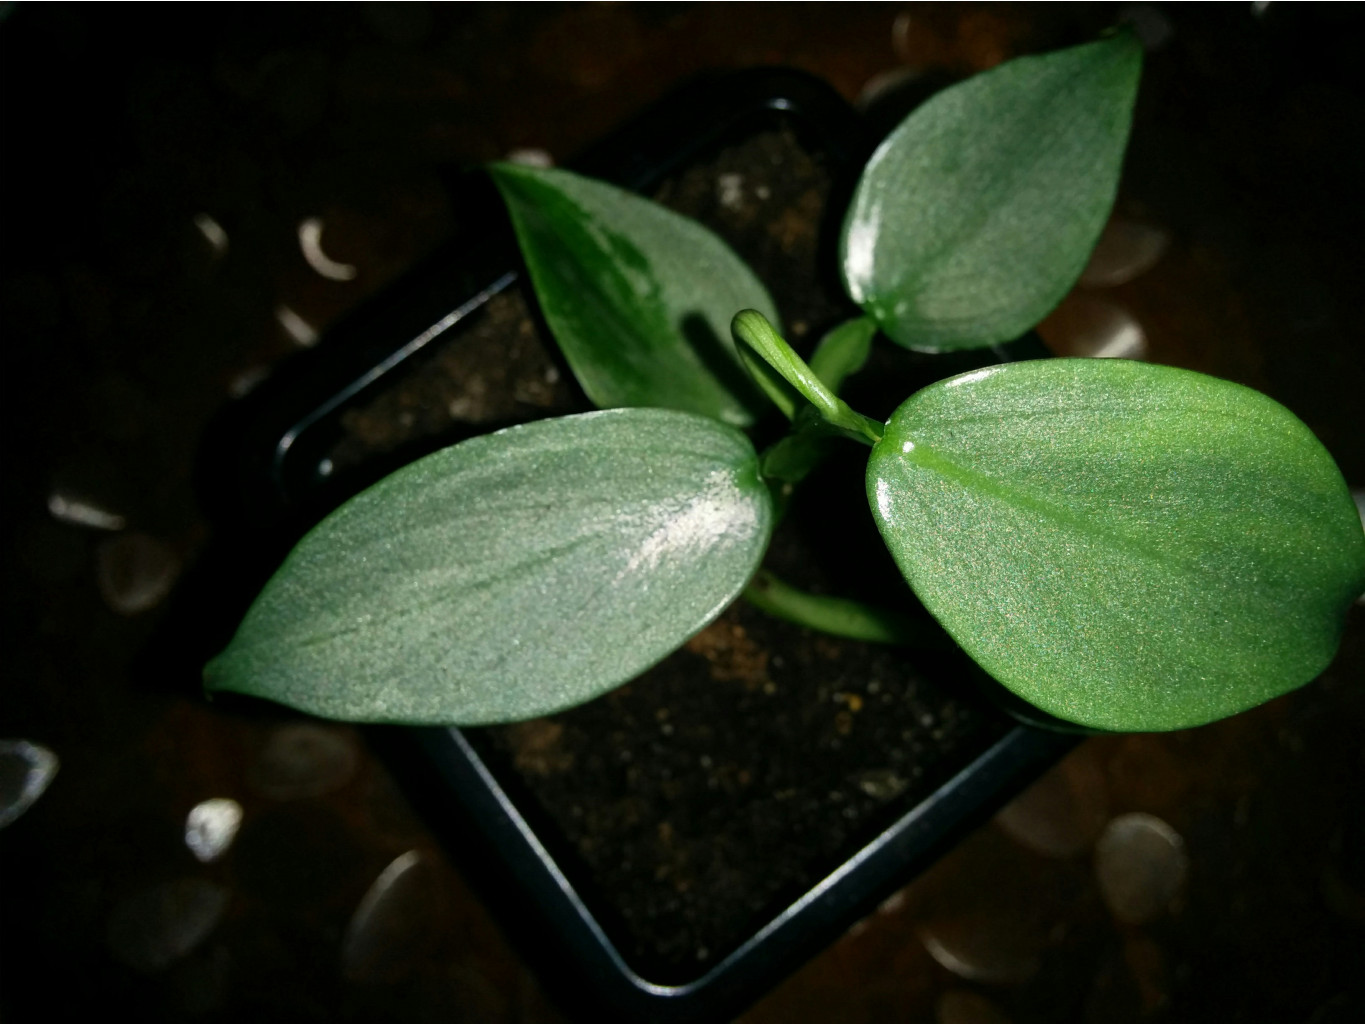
(26, 770)
(1094, 328)
(304, 760)
(135, 572)
(394, 922)
(1141, 866)
(152, 929)
(1126, 250)
(211, 826)
(995, 950)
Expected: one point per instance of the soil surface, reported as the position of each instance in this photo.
(714, 789)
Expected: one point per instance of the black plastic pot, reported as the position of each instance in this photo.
(266, 472)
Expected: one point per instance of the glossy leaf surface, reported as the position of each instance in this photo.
(638, 297)
(1126, 546)
(978, 213)
(511, 575)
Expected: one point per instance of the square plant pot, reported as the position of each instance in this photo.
(670, 851)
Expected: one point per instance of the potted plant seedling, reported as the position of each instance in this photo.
(1126, 546)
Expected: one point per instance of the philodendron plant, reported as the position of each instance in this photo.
(1126, 546)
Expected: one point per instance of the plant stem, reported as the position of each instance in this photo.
(752, 329)
(792, 457)
(841, 616)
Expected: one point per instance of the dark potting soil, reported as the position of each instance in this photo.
(718, 786)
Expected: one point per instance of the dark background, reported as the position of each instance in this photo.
(124, 330)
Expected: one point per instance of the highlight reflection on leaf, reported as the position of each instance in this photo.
(511, 575)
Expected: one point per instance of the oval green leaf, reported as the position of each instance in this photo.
(977, 214)
(1125, 546)
(511, 575)
(638, 297)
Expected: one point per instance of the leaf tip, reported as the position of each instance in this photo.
(747, 323)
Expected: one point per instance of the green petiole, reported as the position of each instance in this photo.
(841, 616)
(752, 329)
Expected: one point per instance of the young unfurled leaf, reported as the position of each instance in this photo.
(975, 216)
(511, 575)
(843, 351)
(769, 352)
(1124, 545)
(638, 297)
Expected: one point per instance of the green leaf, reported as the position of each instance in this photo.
(1126, 546)
(795, 455)
(843, 351)
(638, 297)
(511, 575)
(977, 214)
